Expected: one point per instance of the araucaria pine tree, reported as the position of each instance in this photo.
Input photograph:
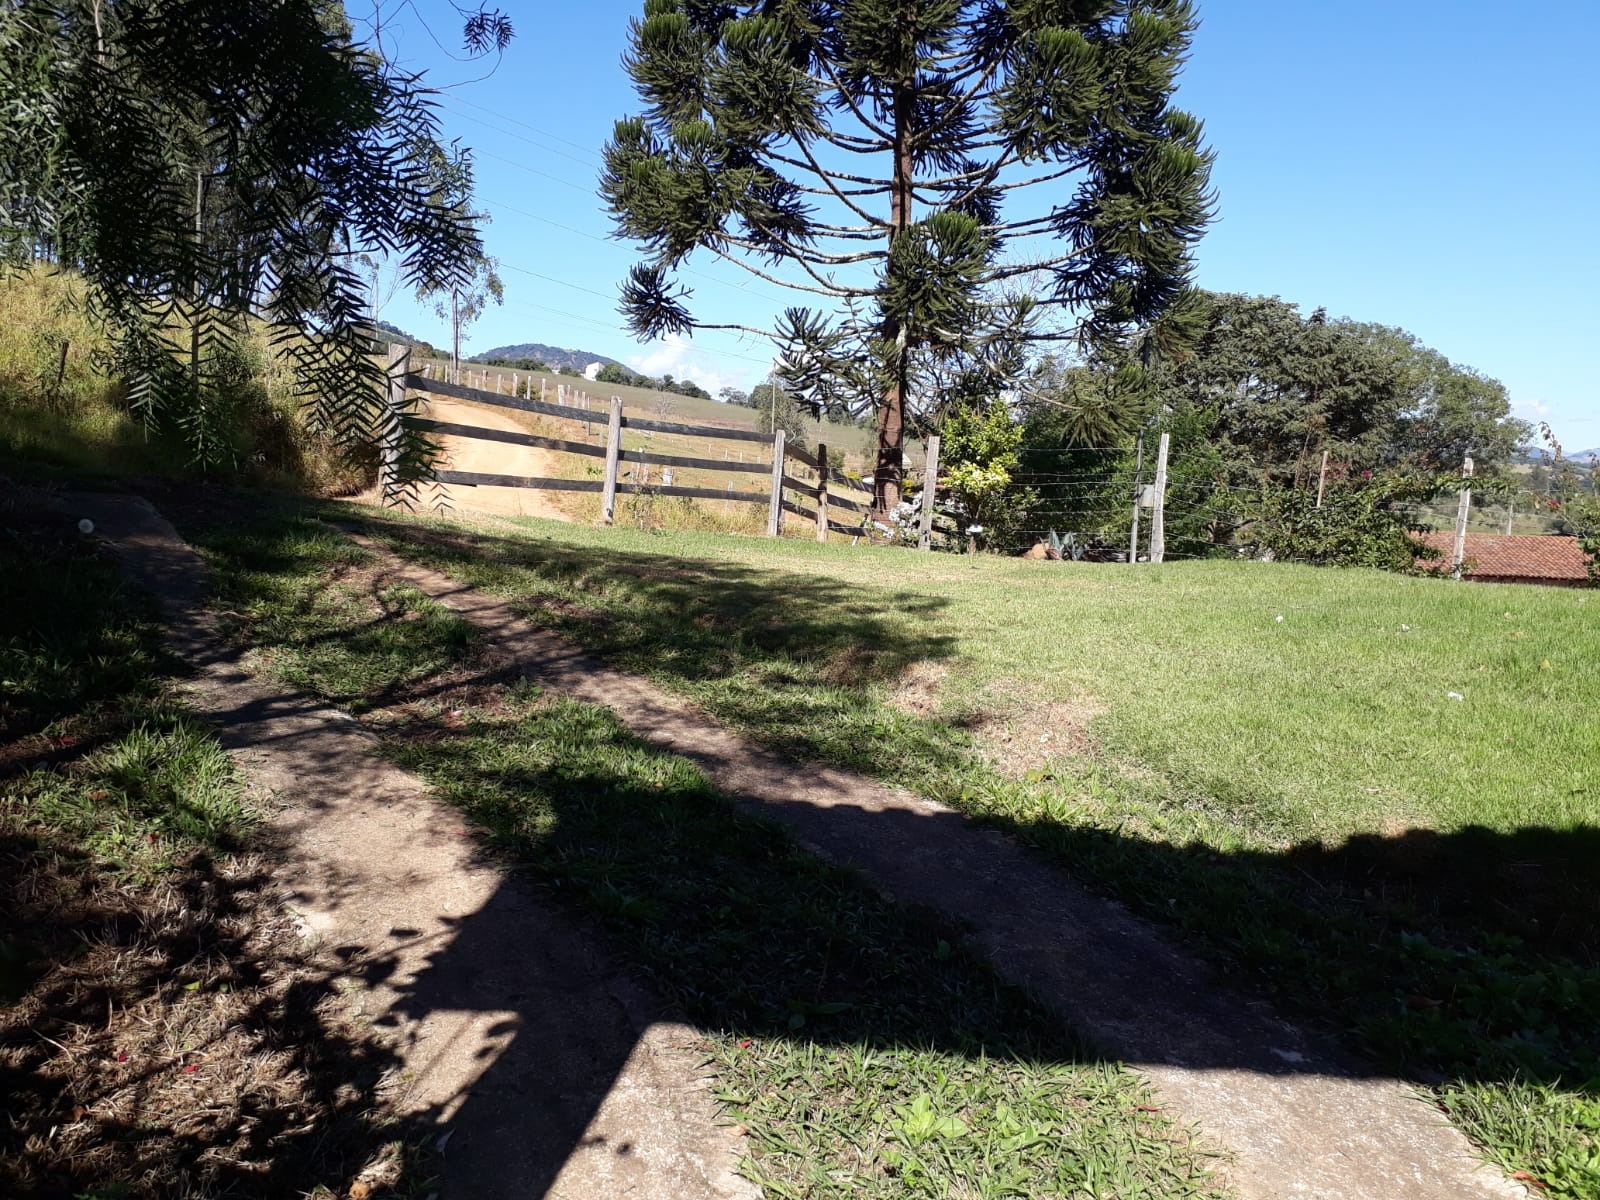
(871, 152)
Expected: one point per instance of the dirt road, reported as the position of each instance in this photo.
(470, 454)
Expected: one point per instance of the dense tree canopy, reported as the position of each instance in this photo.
(1251, 404)
(205, 161)
(870, 153)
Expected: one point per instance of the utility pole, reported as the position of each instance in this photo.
(1462, 505)
(1138, 470)
(1158, 519)
(1511, 511)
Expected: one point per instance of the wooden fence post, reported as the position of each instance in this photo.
(1158, 518)
(1322, 478)
(1458, 555)
(822, 492)
(775, 504)
(608, 495)
(930, 484)
(1138, 496)
(389, 441)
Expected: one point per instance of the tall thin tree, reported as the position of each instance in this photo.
(869, 153)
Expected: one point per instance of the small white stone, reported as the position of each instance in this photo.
(1455, 696)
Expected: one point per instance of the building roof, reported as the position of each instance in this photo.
(1512, 556)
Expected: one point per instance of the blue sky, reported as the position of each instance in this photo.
(1424, 164)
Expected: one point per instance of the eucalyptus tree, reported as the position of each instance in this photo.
(875, 155)
(202, 162)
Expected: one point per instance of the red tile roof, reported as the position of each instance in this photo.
(1512, 556)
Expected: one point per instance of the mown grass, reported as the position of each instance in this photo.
(865, 1054)
(1304, 797)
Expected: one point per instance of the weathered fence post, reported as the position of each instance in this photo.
(930, 484)
(608, 495)
(822, 492)
(1158, 518)
(775, 504)
(389, 440)
(1138, 500)
(1458, 554)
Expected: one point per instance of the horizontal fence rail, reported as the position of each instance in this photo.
(568, 412)
(831, 490)
(508, 436)
(489, 479)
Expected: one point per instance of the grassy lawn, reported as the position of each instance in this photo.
(862, 1050)
(1304, 797)
(162, 1030)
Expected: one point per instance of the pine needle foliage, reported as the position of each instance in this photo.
(872, 153)
(202, 163)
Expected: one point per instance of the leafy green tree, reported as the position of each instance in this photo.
(201, 162)
(777, 408)
(979, 454)
(1443, 411)
(1282, 388)
(870, 153)
(1358, 525)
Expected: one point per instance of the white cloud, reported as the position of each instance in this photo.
(1533, 410)
(677, 356)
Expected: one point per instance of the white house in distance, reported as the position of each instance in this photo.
(591, 372)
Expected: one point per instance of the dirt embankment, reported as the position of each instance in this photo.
(498, 458)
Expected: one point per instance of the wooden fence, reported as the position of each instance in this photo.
(830, 491)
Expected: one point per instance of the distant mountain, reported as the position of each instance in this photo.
(395, 334)
(554, 357)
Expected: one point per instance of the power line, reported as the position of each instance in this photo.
(514, 121)
(743, 289)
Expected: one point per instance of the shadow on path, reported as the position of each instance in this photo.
(1343, 1126)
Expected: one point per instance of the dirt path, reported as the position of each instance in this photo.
(1301, 1117)
(471, 454)
(541, 1067)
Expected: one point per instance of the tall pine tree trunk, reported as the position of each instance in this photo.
(886, 476)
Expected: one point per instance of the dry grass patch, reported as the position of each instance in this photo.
(1023, 734)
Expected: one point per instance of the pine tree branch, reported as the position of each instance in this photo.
(816, 258)
(843, 92)
(769, 334)
(855, 145)
(826, 178)
(813, 165)
(1013, 271)
(832, 290)
(816, 191)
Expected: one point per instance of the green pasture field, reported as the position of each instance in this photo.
(1374, 796)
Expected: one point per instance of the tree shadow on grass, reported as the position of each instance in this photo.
(1458, 957)
(1521, 909)
(166, 1036)
(745, 932)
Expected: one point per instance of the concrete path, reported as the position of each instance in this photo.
(1302, 1119)
(542, 1067)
